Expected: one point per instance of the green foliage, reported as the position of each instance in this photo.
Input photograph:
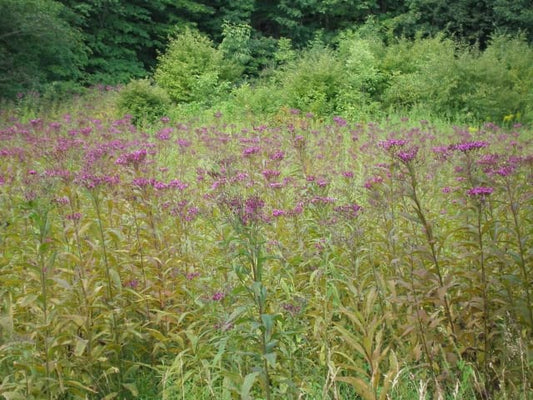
(311, 82)
(446, 80)
(123, 37)
(144, 101)
(37, 46)
(229, 260)
(364, 81)
(193, 70)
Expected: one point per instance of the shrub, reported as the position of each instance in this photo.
(363, 76)
(448, 79)
(193, 70)
(312, 81)
(143, 100)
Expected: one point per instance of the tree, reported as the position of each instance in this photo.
(125, 36)
(37, 46)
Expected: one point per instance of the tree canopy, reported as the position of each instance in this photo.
(113, 41)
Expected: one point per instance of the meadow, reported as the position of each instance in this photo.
(295, 258)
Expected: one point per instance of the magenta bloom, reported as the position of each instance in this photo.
(278, 155)
(135, 158)
(269, 173)
(218, 296)
(278, 213)
(468, 146)
(408, 155)
(390, 143)
(481, 191)
(347, 174)
(339, 121)
(251, 150)
(349, 211)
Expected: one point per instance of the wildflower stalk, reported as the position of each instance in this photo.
(421, 333)
(43, 224)
(114, 323)
(141, 257)
(245, 221)
(484, 294)
(431, 241)
(480, 196)
(513, 205)
(82, 278)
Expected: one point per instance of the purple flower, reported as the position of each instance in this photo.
(373, 181)
(183, 143)
(347, 174)
(176, 183)
(505, 171)
(62, 200)
(480, 191)
(269, 174)
(321, 182)
(74, 216)
(339, 121)
(278, 155)
(132, 284)
(251, 150)
(135, 158)
(408, 155)
(468, 146)
(278, 213)
(323, 200)
(218, 296)
(143, 182)
(349, 211)
(391, 143)
(164, 134)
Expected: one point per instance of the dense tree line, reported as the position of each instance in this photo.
(48, 43)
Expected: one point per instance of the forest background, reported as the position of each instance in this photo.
(328, 57)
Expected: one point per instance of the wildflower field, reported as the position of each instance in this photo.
(302, 258)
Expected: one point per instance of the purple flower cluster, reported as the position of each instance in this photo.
(349, 211)
(247, 152)
(247, 211)
(481, 191)
(134, 158)
(408, 155)
(468, 146)
(392, 143)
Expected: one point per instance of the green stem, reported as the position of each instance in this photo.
(114, 323)
(431, 242)
(484, 294)
(521, 253)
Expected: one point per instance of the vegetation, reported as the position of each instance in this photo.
(299, 258)
(112, 41)
(265, 200)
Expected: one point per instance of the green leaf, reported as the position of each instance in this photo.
(115, 277)
(247, 385)
(362, 388)
(81, 344)
(271, 359)
(132, 388)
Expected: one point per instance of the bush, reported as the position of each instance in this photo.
(312, 82)
(144, 101)
(193, 70)
(363, 80)
(450, 80)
